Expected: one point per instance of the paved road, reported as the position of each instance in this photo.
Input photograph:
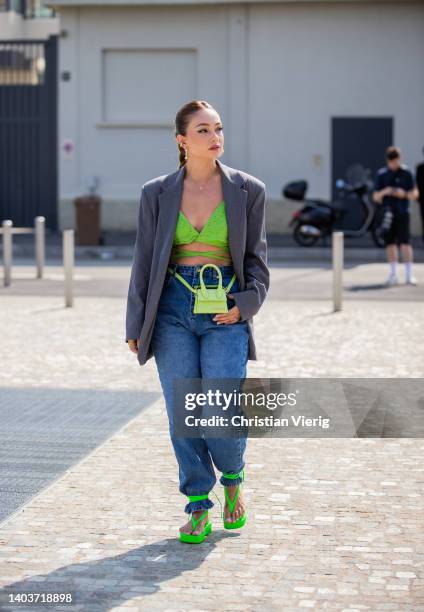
(333, 524)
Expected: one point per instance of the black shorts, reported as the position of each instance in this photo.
(399, 230)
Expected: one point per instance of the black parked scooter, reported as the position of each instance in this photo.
(319, 218)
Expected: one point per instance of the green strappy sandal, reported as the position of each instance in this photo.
(190, 538)
(242, 519)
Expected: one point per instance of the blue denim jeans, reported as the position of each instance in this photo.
(187, 345)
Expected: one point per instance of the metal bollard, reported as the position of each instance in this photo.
(7, 226)
(68, 265)
(40, 241)
(337, 251)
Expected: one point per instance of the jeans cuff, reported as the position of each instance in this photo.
(230, 481)
(202, 504)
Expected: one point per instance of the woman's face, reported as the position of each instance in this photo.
(203, 131)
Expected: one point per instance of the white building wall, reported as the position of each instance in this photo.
(308, 63)
(131, 69)
(277, 73)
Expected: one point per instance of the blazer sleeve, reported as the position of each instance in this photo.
(140, 270)
(256, 272)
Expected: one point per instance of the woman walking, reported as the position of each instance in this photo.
(203, 213)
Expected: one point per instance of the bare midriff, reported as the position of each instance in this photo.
(191, 260)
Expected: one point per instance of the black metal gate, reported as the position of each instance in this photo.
(28, 131)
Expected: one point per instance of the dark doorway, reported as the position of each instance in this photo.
(358, 140)
(28, 131)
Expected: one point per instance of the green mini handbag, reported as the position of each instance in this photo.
(208, 299)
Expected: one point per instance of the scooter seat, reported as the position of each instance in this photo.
(335, 206)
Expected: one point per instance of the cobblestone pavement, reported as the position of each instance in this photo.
(333, 524)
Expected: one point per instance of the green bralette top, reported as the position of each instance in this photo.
(214, 232)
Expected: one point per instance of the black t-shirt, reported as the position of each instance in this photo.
(401, 178)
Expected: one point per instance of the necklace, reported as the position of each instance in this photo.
(201, 186)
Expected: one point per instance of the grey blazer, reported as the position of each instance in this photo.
(160, 202)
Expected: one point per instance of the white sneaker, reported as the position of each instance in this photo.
(392, 280)
(411, 280)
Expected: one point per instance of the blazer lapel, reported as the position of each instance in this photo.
(235, 197)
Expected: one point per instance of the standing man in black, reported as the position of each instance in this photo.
(394, 187)
(420, 185)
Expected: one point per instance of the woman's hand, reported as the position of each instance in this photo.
(232, 316)
(133, 345)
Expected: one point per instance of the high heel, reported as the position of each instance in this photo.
(231, 503)
(191, 538)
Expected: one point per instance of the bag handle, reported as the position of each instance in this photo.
(219, 291)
